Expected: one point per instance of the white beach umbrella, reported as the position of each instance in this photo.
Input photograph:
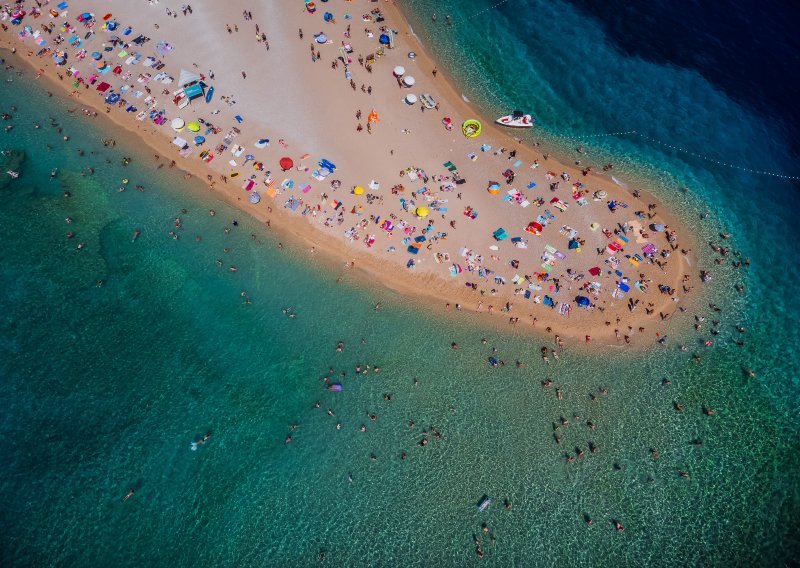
(411, 98)
(409, 81)
(399, 71)
(177, 123)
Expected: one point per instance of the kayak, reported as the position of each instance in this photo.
(209, 94)
(516, 120)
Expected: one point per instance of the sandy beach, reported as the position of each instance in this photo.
(483, 224)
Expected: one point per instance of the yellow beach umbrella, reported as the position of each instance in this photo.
(421, 211)
(358, 190)
(193, 127)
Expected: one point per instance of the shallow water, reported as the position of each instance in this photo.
(106, 387)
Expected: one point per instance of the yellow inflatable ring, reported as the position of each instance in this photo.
(471, 128)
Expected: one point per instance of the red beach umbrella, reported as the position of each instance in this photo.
(286, 163)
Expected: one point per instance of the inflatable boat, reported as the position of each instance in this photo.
(516, 120)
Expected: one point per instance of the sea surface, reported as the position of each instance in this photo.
(116, 359)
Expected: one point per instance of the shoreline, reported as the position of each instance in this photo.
(430, 287)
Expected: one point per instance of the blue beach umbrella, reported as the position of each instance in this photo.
(96, 55)
(384, 39)
(199, 140)
(582, 301)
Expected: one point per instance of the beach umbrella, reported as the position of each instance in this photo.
(286, 163)
(600, 194)
(409, 81)
(320, 38)
(100, 64)
(358, 190)
(582, 301)
(534, 228)
(384, 39)
(262, 143)
(178, 123)
(422, 211)
(254, 197)
(411, 98)
(199, 140)
(193, 127)
(412, 54)
(96, 55)
(399, 71)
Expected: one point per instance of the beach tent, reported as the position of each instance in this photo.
(187, 77)
(582, 301)
(193, 91)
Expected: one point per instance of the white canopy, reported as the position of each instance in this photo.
(187, 77)
(409, 81)
(411, 98)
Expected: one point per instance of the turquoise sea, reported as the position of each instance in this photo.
(115, 358)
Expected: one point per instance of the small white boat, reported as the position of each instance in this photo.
(13, 174)
(516, 120)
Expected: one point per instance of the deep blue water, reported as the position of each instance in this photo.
(749, 50)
